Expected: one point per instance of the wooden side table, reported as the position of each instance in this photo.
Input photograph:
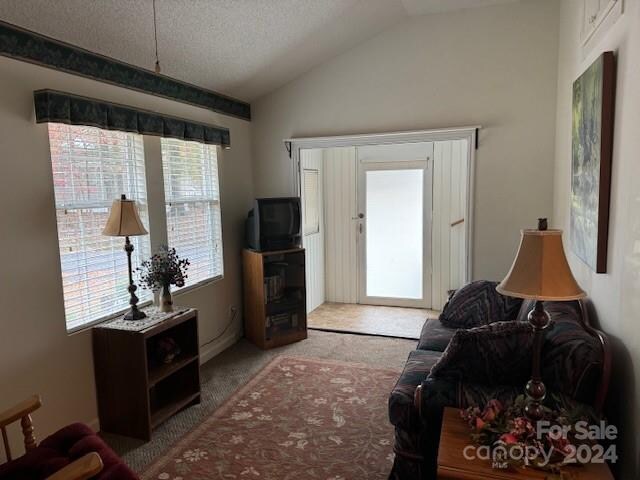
(136, 390)
(452, 465)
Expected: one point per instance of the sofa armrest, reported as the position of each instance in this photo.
(434, 393)
(81, 469)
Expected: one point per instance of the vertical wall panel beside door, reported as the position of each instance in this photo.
(311, 170)
(449, 210)
(459, 181)
(340, 227)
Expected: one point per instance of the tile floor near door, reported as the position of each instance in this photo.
(370, 319)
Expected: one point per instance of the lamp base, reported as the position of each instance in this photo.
(536, 393)
(536, 390)
(134, 314)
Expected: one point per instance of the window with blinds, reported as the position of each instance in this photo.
(192, 199)
(91, 168)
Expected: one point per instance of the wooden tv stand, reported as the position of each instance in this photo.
(275, 307)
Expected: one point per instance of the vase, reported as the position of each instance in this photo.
(166, 302)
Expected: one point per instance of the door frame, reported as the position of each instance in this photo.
(427, 166)
(469, 133)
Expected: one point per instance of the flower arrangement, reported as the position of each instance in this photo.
(163, 269)
(507, 428)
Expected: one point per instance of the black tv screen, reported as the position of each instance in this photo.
(278, 218)
(274, 223)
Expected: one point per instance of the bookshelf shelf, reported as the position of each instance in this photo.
(161, 372)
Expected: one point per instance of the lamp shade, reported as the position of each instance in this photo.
(540, 270)
(124, 220)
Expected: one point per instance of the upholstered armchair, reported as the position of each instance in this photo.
(72, 453)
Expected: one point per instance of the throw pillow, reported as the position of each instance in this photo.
(479, 303)
(496, 354)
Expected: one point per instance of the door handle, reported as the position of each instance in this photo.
(359, 217)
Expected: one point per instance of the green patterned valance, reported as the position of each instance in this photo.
(28, 46)
(60, 107)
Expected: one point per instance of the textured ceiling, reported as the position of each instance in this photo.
(243, 48)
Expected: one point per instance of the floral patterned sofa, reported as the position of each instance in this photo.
(464, 367)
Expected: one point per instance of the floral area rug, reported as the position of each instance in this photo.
(299, 418)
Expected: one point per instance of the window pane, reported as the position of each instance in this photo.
(394, 216)
(192, 198)
(311, 185)
(91, 168)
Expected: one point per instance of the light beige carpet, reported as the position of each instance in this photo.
(370, 319)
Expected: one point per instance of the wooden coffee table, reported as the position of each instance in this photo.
(452, 465)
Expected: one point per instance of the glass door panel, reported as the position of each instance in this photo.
(394, 234)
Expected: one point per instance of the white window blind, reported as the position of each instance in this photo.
(311, 179)
(192, 199)
(91, 168)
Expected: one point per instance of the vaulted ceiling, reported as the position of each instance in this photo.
(243, 48)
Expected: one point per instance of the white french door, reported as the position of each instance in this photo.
(378, 199)
(394, 226)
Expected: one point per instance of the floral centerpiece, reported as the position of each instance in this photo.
(553, 442)
(163, 269)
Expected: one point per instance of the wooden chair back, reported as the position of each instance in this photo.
(22, 412)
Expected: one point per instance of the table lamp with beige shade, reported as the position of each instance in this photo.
(124, 221)
(540, 272)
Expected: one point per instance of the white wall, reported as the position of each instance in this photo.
(494, 66)
(340, 208)
(616, 294)
(36, 354)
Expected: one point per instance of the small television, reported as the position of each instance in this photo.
(274, 224)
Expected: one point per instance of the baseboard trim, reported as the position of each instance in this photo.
(208, 351)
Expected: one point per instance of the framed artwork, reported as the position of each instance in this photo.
(592, 145)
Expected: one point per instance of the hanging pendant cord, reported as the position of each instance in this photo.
(155, 35)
